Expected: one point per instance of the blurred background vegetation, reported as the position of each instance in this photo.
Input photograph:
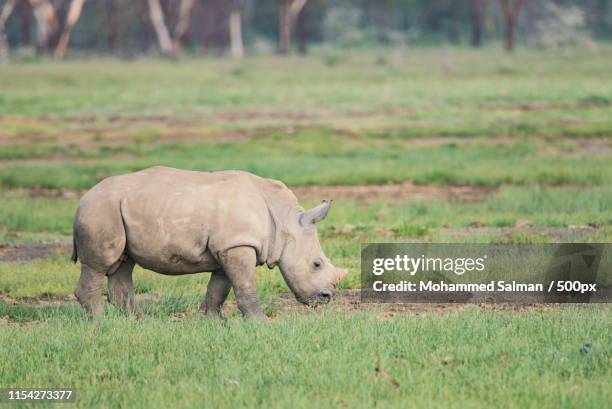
(235, 27)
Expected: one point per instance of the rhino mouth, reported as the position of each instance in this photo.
(319, 298)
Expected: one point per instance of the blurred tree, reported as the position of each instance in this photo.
(309, 24)
(235, 30)
(184, 21)
(231, 26)
(74, 12)
(159, 25)
(288, 11)
(47, 24)
(214, 23)
(114, 9)
(6, 12)
(302, 30)
(479, 10)
(25, 23)
(511, 10)
(599, 17)
(554, 25)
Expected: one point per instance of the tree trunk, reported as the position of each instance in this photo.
(478, 17)
(147, 38)
(157, 19)
(6, 12)
(25, 23)
(511, 10)
(113, 24)
(303, 31)
(47, 23)
(184, 21)
(509, 33)
(284, 28)
(288, 11)
(74, 12)
(235, 29)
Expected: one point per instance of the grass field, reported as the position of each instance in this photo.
(470, 358)
(413, 145)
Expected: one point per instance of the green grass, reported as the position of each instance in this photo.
(470, 358)
(412, 79)
(23, 213)
(316, 157)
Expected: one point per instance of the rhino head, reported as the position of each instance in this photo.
(308, 272)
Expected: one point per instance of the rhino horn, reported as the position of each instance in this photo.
(340, 274)
(316, 214)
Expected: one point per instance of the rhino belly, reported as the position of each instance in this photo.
(171, 260)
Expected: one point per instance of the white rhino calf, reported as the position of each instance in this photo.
(180, 222)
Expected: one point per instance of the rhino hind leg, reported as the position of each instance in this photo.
(89, 290)
(100, 243)
(121, 288)
(239, 266)
(216, 293)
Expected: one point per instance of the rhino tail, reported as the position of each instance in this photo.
(74, 256)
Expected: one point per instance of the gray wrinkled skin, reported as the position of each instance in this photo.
(180, 222)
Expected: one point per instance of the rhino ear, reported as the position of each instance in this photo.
(316, 214)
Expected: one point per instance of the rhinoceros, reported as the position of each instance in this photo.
(177, 222)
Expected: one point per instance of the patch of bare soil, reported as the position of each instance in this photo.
(62, 193)
(88, 133)
(22, 252)
(345, 301)
(592, 147)
(58, 158)
(40, 300)
(445, 140)
(400, 192)
(350, 301)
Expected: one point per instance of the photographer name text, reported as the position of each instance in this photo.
(492, 286)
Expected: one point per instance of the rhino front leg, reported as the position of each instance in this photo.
(121, 288)
(216, 293)
(239, 266)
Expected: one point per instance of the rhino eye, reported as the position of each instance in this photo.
(317, 263)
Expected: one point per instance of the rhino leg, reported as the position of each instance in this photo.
(216, 293)
(239, 266)
(121, 288)
(89, 290)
